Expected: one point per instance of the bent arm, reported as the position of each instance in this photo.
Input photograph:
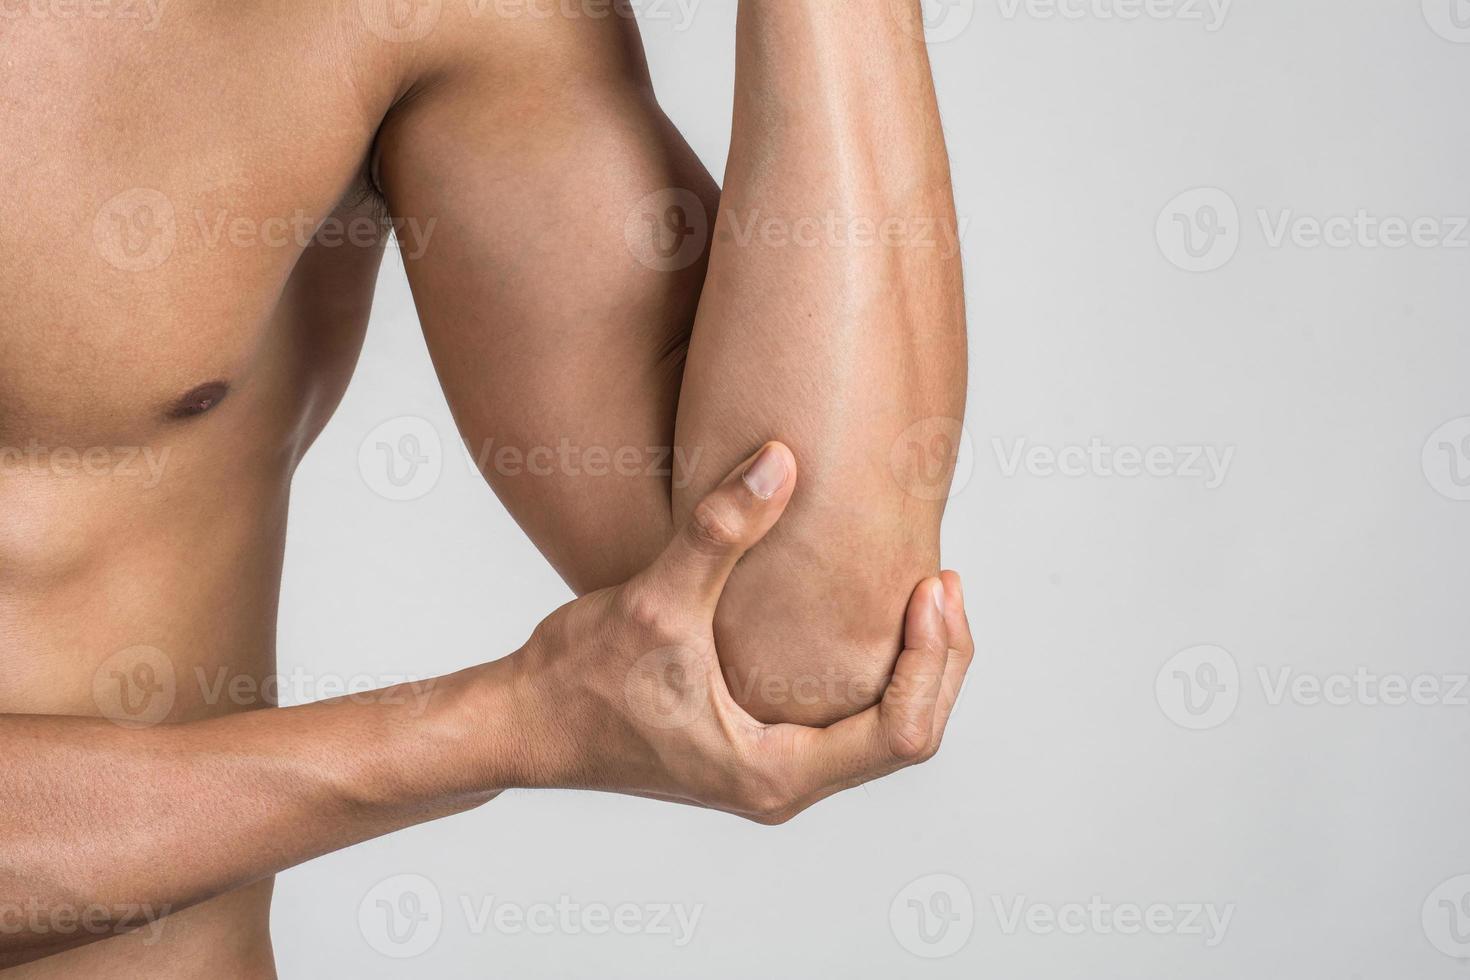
(564, 279)
(104, 829)
(832, 318)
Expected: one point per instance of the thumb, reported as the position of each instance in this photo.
(724, 525)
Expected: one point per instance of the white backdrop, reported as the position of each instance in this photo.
(1214, 530)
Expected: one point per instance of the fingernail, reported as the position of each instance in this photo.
(767, 474)
(939, 596)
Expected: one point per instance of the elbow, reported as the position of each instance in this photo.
(811, 624)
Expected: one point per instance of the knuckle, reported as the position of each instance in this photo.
(638, 606)
(910, 742)
(766, 800)
(711, 527)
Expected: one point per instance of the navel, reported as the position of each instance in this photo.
(199, 400)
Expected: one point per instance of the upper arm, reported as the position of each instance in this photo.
(526, 155)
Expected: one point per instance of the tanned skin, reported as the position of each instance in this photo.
(170, 347)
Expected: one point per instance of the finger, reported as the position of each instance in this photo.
(911, 699)
(961, 649)
(728, 522)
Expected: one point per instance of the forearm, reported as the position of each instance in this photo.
(833, 319)
(119, 825)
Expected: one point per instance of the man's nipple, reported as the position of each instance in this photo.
(199, 400)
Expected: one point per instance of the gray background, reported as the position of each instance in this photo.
(1331, 833)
